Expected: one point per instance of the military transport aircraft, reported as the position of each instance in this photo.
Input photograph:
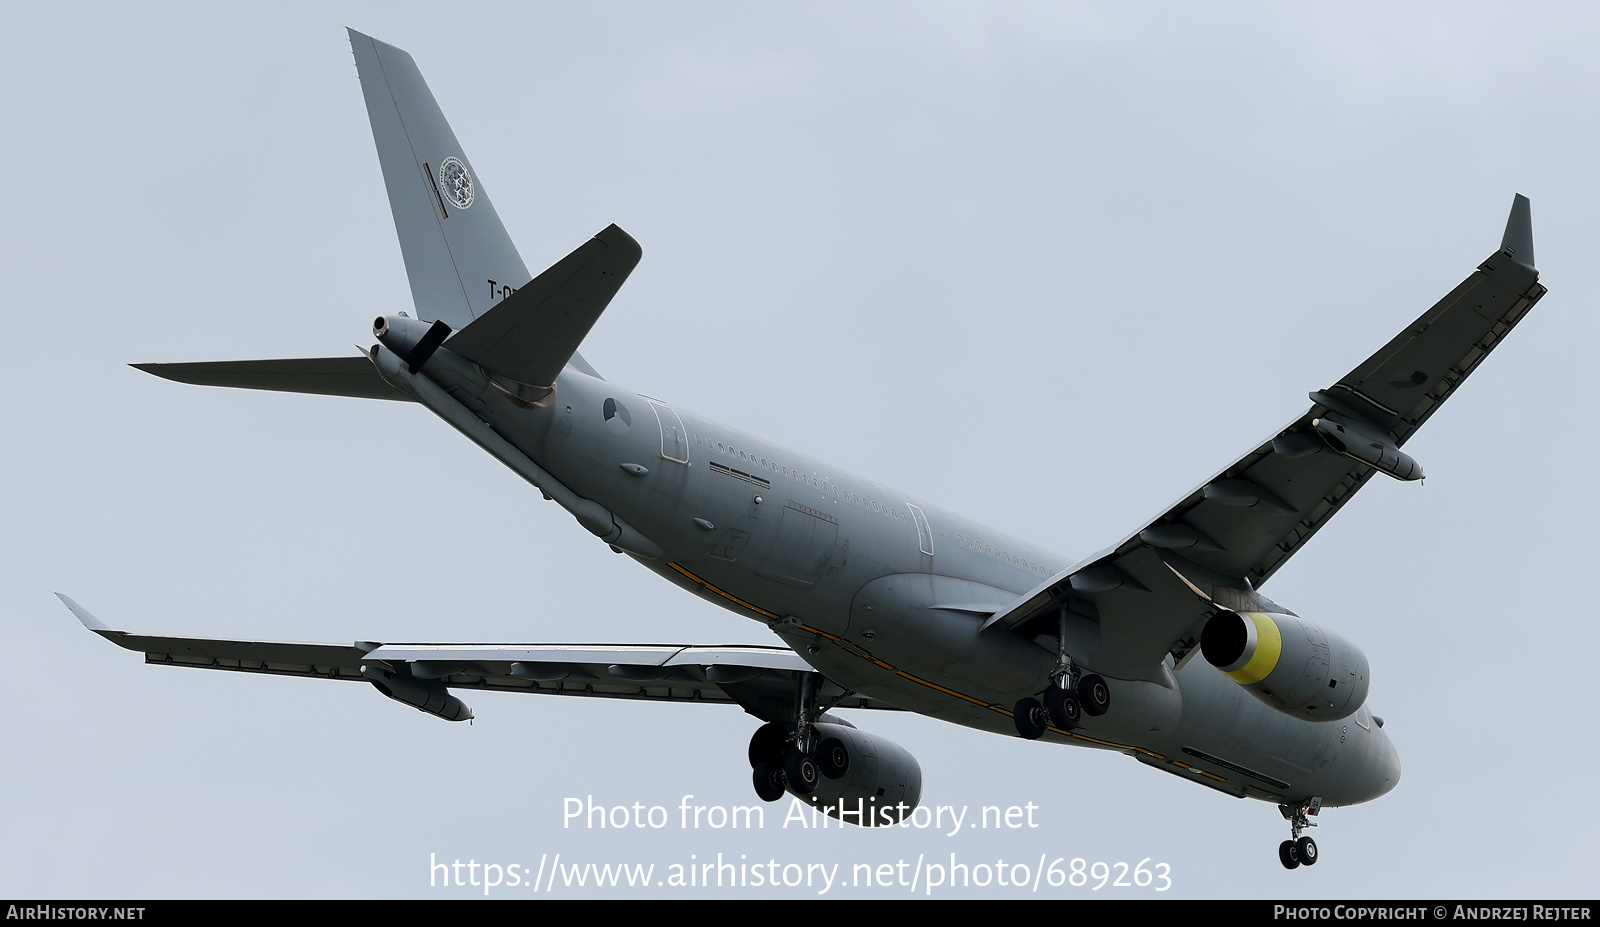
(885, 602)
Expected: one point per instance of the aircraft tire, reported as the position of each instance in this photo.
(767, 743)
(802, 772)
(768, 779)
(1305, 850)
(833, 758)
(1287, 854)
(1064, 708)
(1094, 694)
(1030, 718)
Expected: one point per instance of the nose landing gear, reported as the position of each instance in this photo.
(1299, 851)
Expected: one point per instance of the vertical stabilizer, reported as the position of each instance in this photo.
(451, 237)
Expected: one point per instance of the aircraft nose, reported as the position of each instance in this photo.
(1383, 766)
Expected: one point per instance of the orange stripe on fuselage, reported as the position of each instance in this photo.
(852, 648)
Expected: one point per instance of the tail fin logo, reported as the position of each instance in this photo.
(456, 183)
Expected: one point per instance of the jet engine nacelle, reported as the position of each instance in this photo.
(1289, 663)
(881, 783)
(426, 695)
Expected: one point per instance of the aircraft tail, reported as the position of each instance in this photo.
(323, 376)
(458, 257)
(526, 340)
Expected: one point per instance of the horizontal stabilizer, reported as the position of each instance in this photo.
(532, 334)
(324, 376)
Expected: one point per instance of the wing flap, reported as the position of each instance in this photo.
(668, 656)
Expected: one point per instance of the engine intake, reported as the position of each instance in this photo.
(1289, 663)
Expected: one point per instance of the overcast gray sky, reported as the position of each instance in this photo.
(1047, 265)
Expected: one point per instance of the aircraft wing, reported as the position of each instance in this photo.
(1128, 606)
(762, 680)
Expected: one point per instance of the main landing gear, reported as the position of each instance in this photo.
(1069, 696)
(766, 760)
(1299, 851)
(1062, 706)
(796, 761)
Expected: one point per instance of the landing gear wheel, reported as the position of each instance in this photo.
(768, 779)
(1030, 718)
(1066, 711)
(1298, 850)
(833, 758)
(802, 771)
(1094, 694)
(1287, 854)
(767, 743)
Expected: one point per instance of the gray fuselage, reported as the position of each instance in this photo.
(886, 595)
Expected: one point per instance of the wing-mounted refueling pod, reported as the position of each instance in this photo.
(1361, 440)
(428, 696)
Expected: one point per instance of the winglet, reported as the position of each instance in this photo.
(1518, 240)
(89, 621)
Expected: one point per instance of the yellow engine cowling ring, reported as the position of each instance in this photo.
(1291, 664)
